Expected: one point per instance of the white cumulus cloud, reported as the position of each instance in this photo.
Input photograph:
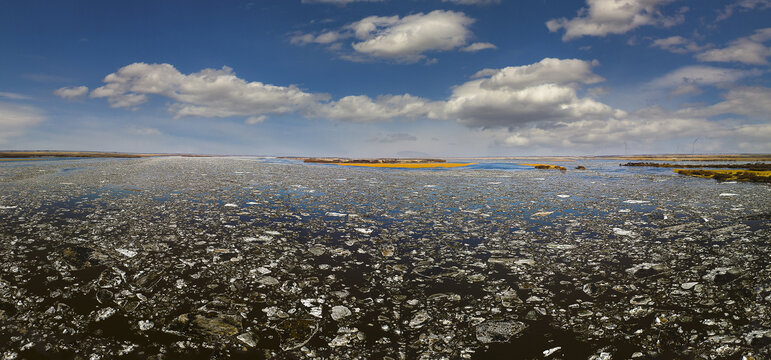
(403, 39)
(207, 93)
(543, 91)
(752, 101)
(646, 128)
(512, 96)
(689, 79)
(678, 45)
(409, 37)
(527, 105)
(603, 17)
(747, 50)
(252, 120)
(326, 37)
(71, 93)
(362, 108)
(742, 6)
(478, 46)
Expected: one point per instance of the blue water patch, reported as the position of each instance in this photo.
(496, 166)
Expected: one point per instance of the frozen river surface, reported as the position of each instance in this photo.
(168, 258)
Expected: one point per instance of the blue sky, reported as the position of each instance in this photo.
(383, 78)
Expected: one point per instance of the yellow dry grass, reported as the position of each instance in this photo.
(409, 166)
(728, 175)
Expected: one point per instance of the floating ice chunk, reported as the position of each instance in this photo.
(561, 246)
(563, 196)
(317, 250)
(636, 201)
(270, 311)
(340, 340)
(127, 349)
(494, 183)
(622, 232)
(264, 238)
(273, 232)
(315, 311)
(252, 203)
(728, 194)
(529, 262)
(645, 269)
(364, 230)
(247, 339)
(688, 285)
(127, 253)
(268, 280)
(335, 214)
(105, 313)
(722, 274)
(624, 211)
(543, 213)
(8, 207)
(145, 325)
(429, 186)
(551, 351)
(231, 205)
(418, 320)
(498, 331)
(339, 312)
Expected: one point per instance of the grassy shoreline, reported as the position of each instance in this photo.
(728, 175)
